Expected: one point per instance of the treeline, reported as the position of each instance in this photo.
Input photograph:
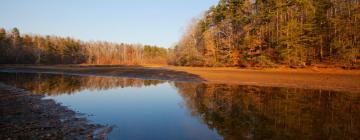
(272, 32)
(34, 49)
(242, 33)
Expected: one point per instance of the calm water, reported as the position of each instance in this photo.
(151, 109)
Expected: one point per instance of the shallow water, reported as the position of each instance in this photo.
(152, 109)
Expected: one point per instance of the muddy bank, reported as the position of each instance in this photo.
(28, 116)
(148, 73)
(325, 79)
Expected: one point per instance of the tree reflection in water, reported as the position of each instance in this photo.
(250, 112)
(55, 84)
(234, 111)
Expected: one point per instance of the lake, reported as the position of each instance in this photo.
(155, 109)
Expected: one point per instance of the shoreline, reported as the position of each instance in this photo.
(29, 116)
(325, 79)
(315, 78)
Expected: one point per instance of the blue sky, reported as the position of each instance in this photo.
(155, 22)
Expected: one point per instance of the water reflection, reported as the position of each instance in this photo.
(56, 84)
(230, 111)
(248, 112)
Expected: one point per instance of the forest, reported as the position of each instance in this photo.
(273, 32)
(233, 33)
(35, 49)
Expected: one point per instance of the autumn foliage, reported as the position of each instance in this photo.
(272, 32)
(240, 33)
(34, 49)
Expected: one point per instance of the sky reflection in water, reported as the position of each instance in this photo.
(154, 112)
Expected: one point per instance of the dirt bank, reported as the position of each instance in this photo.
(27, 116)
(152, 73)
(310, 78)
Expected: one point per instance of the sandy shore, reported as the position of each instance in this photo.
(309, 78)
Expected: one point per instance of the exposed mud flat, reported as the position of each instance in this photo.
(139, 72)
(307, 78)
(28, 116)
(314, 78)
